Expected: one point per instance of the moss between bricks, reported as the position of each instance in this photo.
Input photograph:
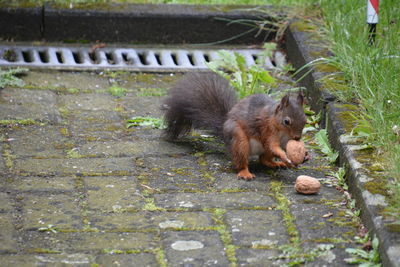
(8, 156)
(226, 238)
(21, 122)
(283, 205)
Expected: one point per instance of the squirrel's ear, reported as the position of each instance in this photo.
(285, 101)
(283, 104)
(300, 98)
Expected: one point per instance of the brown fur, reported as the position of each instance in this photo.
(207, 101)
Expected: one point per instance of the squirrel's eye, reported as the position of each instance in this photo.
(286, 121)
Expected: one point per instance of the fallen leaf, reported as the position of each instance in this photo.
(329, 214)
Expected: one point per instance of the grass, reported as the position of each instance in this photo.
(372, 73)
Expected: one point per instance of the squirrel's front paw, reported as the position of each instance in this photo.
(278, 163)
(245, 175)
(289, 163)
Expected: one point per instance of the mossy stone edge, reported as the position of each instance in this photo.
(302, 47)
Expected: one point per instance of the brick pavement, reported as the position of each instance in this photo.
(79, 188)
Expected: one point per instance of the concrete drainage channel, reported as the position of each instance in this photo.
(176, 25)
(131, 59)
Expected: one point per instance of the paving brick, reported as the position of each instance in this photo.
(96, 125)
(139, 259)
(150, 220)
(320, 217)
(189, 248)
(87, 241)
(29, 104)
(65, 80)
(90, 102)
(142, 106)
(82, 166)
(37, 141)
(257, 228)
(136, 147)
(8, 239)
(113, 193)
(59, 210)
(172, 173)
(44, 184)
(5, 203)
(214, 200)
(25, 260)
(257, 257)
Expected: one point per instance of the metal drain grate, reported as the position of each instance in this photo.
(135, 59)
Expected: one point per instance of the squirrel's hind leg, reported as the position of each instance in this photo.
(240, 151)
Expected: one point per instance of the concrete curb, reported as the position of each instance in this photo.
(21, 24)
(131, 23)
(304, 46)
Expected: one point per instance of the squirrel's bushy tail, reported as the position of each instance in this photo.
(199, 100)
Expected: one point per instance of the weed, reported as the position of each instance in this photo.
(155, 123)
(117, 91)
(313, 120)
(74, 154)
(364, 257)
(246, 80)
(340, 177)
(73, 90)
(321, 138)
(297, 255)
(9, 77)
(150, 205)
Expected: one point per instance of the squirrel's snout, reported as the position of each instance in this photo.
(297, 137)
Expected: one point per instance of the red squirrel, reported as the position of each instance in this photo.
(255, 125)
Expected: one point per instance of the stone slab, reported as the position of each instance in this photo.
(239, 200)
(60, 210)
(81, 166)
(87, 241)
(19, 103)
(62, 81)
(257, 228)
(150, 220)
(112, 193)
(5, 202)
(191, 248)
(172, 173)
(257, 257)
(43, 184)
(144, 106)
(37, 141)
(79, 259)
(135, 146)
(8, 236)
(95, 125)
(88, 102)
(139, 259)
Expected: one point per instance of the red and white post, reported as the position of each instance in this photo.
(372, 18)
